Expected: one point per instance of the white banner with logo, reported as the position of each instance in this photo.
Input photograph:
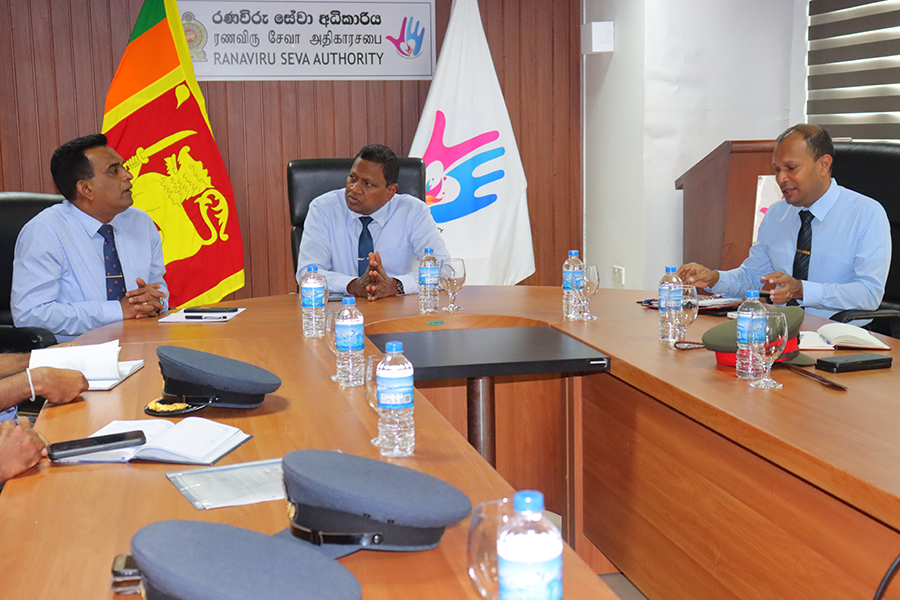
(250, 40)
(476, 183)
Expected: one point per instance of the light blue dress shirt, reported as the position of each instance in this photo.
(849, 259)
(401, 230)
(59, 277)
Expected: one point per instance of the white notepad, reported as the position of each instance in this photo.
(99, 363)
(840, 335)
(192, 441)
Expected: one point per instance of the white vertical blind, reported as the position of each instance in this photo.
(854, 68)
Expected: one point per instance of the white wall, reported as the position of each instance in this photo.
(684, 77)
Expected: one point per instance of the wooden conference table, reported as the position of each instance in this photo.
(61, 525)
(692, 483)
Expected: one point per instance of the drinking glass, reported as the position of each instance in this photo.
(372, 387)
(590, 288)
(330, 317)
(690, 305)
(775, 339)
(453, 276)
(487, 519)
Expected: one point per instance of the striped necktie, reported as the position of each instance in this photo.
(115, 279)
(804, 247)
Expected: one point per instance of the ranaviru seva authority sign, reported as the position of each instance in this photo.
(239, 40)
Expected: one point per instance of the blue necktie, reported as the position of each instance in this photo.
(115, 279)
(365, 246)
(804, 247)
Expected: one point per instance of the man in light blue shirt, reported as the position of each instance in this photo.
(400, 225)
(60, 274)
(850, 252)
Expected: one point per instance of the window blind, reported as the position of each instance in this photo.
(854, 68)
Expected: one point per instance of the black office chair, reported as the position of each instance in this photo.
(873, 169)
(311, 177)
(16, 209)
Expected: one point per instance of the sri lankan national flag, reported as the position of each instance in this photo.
(155, 118)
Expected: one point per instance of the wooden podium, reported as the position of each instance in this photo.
(719, 202)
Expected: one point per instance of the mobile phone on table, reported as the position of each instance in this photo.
(854, 362)
(211, 309)
(126, 576)
(99, 443)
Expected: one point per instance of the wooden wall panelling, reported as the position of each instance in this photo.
(59, 56)
(687, 514)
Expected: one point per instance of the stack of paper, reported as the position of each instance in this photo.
(99, 363)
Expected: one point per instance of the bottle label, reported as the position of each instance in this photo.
(530, 580)
(348, 336)
(663, 298)
(758, 330)
(573, 280)
(743, 328)
(395, 392)
(675, 299)
(312, 296)
(428, 275)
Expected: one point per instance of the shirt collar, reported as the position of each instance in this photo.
(820, 207)
(380, 216)
(87, 222)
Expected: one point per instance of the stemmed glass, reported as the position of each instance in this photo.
(775, 339)
(487, 519)
(690, 304)
(453, 276)
(588, 290)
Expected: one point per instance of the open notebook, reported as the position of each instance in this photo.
(192, 441)
(840, 335)
(99, 363)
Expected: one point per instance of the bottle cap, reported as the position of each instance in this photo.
(348, 300)
(393, 347)
(429, 250)
(573, 252)
(670, 269)
(752, 294)
(528, 501)
(312, 269)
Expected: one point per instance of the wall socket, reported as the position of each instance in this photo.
(618, 275)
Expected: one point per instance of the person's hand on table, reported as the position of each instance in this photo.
(698, 275)
(787, 288)
(357, 287)
(379, 285)
(58, 386)
(143, 302)
(21, 448)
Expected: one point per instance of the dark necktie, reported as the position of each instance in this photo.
(804, 246)
(365, 246)
(115, 280)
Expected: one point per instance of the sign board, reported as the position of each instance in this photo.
(248, 40)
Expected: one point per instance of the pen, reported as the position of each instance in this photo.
(206, 317)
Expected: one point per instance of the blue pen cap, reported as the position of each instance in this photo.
(393, 347)
(528, 501)
(348, 300)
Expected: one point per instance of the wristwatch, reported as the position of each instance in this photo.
(400, 291)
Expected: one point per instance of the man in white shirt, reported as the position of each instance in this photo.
(367, 239)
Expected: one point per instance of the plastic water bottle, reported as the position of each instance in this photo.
(394, 381)
(529, 552)
(428, 282)
(670, 297)
(573, 282)
(312, 297)
(750, 337)
(349, 340)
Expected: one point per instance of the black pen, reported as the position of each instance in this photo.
(206, 317)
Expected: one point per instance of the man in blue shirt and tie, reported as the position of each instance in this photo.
(74, 261)
(824, 247)
(367, 239)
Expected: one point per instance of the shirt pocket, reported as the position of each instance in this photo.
(836, 268)
(396, 256)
